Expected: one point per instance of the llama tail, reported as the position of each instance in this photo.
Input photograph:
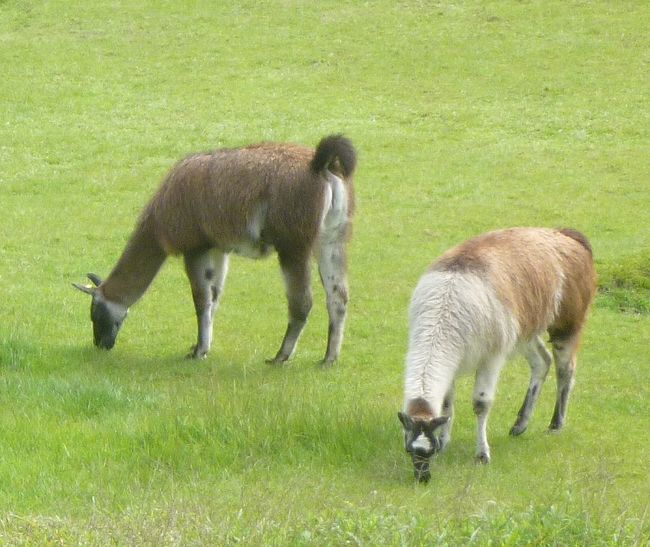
(579, 237)
(335, 153)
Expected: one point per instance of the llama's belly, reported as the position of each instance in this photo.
(252, 249)
(467, 367)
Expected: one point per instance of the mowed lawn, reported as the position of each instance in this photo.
(467, 116)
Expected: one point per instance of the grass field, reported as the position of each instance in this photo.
(467, 116)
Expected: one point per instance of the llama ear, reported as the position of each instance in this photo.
(84, 288)
(437, 422)
(95, 279)
(406, 420)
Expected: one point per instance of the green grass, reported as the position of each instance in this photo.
(468, 116)
(625, 283)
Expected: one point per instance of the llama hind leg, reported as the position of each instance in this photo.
(332, 266)
(297, 278)
(207, 274)
(564, 354)
(539, 359)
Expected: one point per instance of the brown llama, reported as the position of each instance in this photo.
(250, 201)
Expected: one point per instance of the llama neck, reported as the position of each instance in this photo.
(429, 376)
(435, 340)
(136, 268)
(432, 363)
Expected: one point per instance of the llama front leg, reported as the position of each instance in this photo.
(447, 410)
(484, 390)
(564, 354)
(207, 273)
(332, 266)
(297, 274)
(539, 359)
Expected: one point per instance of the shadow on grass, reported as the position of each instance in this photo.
(625, 285)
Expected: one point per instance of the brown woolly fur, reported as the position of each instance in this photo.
(250, 201)
(579, 237)
(338, 148)
(205, 199)
(139, 263)
(419, 408)
(528, 267)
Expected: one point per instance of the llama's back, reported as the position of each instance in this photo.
(535, 272)
(456, 322)
(216, 199)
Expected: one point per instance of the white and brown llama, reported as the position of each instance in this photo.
(476, 305)
(250, 201)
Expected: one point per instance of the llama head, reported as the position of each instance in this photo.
(107, 316)
(421, 441)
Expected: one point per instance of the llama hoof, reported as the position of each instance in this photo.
(553, 429)
(517, 430)
(326, 363)
(196, 354)
(275, 360)
(422, 478)
(483, 458)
